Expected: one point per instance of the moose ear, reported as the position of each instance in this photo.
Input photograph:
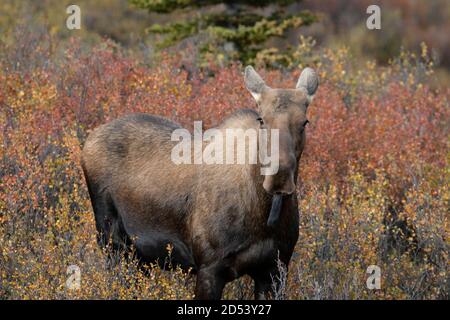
(308, 81)
(254, 83)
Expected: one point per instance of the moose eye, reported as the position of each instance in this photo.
(261, 121)
(304, 125)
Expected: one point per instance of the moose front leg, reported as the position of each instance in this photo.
(268, 284)
(263, 287)
(210, 283)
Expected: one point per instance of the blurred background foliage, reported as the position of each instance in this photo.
(258, 32)
(231, 30)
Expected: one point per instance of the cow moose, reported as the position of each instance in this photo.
(222, 221)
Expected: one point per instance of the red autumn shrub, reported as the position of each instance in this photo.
(385, 150)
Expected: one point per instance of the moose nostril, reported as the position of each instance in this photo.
(283, 193)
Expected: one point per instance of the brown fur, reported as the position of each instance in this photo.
(213, 215)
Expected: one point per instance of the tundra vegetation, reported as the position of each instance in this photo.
(373, 181)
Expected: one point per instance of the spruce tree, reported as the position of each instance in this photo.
(235, 30)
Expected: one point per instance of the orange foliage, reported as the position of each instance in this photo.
(371, 163)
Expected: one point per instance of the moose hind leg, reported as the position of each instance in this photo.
(109, 225)
(153, 248)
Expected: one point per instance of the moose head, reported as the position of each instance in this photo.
(285, 110)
